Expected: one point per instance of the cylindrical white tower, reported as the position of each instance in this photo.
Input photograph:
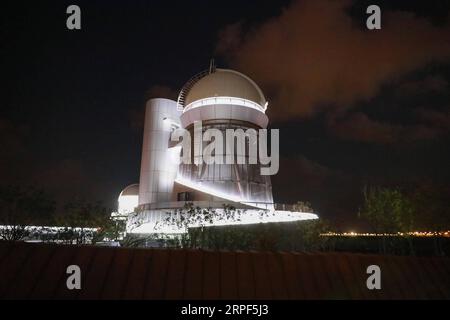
(158, 168)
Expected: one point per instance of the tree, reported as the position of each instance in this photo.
(87, 223)
(388, 211)
(310, 235)
(109, 229)
(20, 209)
(431, 202)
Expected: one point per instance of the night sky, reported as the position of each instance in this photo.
(353, 106)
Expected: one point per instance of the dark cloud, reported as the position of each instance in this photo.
(437, 119)
(359, 127)
(429, 84)
(313, 57)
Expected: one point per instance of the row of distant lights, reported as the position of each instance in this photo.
(398, 234)
(48, 228)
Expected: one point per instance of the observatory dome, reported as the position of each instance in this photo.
(128, 199)
(131, 190)
(224, 83)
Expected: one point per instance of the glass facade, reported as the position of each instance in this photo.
(238, 180)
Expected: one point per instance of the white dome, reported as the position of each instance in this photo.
(128, 199)
(131, 190)
(224, 83)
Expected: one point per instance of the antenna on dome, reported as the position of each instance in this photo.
(212, 66)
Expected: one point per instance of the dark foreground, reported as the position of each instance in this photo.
(38, 271)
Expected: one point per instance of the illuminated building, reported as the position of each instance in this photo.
(221, 99)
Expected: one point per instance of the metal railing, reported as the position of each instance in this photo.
(187, 87)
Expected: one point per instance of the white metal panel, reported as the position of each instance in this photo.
(155, 165)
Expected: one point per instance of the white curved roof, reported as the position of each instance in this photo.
(225, 83)
(131, 190)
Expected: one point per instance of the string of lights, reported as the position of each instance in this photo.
(398, 234)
